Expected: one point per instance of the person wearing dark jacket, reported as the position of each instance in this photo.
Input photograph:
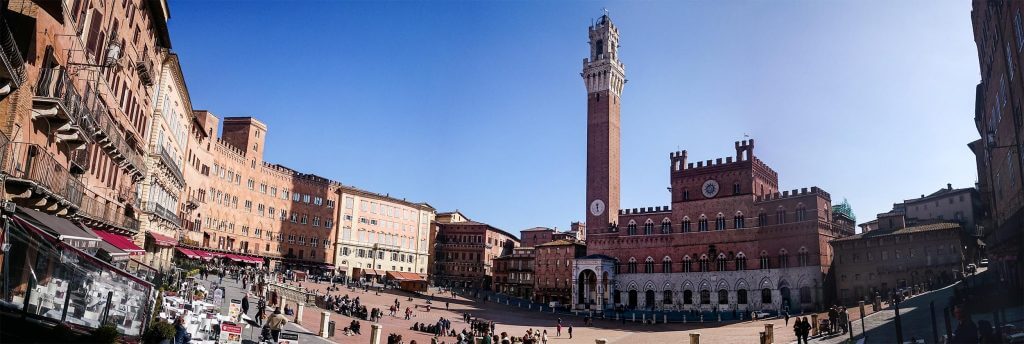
(181, 335)
(245, 304)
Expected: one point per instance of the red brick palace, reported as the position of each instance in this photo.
(730, 239)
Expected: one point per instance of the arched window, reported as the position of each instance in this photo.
(720, 222)
(687, 263)
(764, 260)
(736, 188)
(801, 212)
(720, 261)
(762, 218)
(666, 226)
(631, 228)
(702, 224)
(741, 261)
(686, 224)
(802, 256)
(805, 294)
(780, 215)
(666, 264)
(688, 297)
(631, 268)
(705, 297)
(783, 258)
(648, 227)
(766, 296)
(704, 266)
(741, 296)
(737, 220)
(666, 297)
(649, 265)
(723, 297)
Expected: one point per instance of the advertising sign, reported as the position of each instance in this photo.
(230, 333)
(288, 338)
(235, 310)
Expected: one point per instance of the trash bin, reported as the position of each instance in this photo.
(330, 328)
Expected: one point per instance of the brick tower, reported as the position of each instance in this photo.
(604, 77)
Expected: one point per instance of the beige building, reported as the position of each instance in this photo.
(896, 256)
(164, 184)
(379, 233)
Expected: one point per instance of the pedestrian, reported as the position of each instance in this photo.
(544, 337)
(786, 314)
(446, 305)
(966, 331)
(245, 304)
(181, 335)
(261, 311)
(558, 328)
(276, 323)
(798, 328)
(805, 330)
(570, 331)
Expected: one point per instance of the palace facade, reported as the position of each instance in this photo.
(729, 230)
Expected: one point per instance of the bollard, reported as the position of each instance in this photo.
(298, 313)
(634, 317)
(769, 333)
(719, 317)
(644, 318)
(325, 318)
(601, 341)
(664, 319)
(814, 324)
(694, 338)
(375, 333)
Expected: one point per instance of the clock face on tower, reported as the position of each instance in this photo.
(710, 188)
(597, 207)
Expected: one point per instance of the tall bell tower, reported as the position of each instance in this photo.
(604, 75)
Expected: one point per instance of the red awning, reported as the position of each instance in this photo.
(162, 240)
(188, 253)
(120, 241)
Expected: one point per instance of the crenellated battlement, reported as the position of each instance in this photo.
(814, 190)
(229, 150)
(648, 210)
(744, 153)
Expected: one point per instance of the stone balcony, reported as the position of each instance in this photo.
(12, 66)
(35, 178)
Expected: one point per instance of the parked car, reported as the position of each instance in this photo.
(983, 262)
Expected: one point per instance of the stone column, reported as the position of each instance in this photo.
(375, 330)
(299, 306)
(694, 338)
(769, 332)
(325, 318)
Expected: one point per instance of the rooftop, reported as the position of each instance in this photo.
(905, 230)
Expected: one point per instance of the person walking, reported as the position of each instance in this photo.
(786, 315)
(261, 311)
(276, 323)
(805, 330)
(245, 304)
(544, 337)
(570, 331)
(558, 329)
(798, 328)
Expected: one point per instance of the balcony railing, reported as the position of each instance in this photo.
(80, 160)
(32, 163)
(145, 69)
(163, 213)
(12, 66)
(108, 214)
(165, 157)
(57, 101)
(109, 137)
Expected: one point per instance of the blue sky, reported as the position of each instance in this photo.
(479, 106)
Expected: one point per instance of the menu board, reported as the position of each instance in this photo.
(230, 333)
(235, 310)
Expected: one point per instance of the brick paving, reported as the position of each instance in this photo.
(516, 321)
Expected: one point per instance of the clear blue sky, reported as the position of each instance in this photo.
(479, 106)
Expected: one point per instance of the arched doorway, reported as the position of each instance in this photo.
(586, 284)
(784, 291)
(632, 299)
(649, 299)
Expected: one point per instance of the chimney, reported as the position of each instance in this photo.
(949, 186)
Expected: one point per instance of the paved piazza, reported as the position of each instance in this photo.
(516, 321)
